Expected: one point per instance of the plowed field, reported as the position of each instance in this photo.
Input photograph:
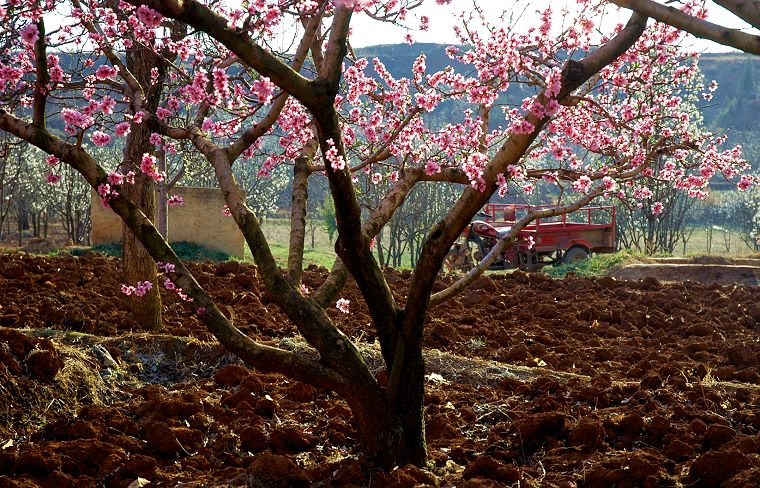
(533, 382)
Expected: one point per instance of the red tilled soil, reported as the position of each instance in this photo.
(703, 273)
(541, 382)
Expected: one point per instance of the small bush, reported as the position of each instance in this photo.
(596, 265)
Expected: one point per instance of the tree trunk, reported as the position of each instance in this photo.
(162, 211)
(394, 434)
(409, 407)
(137, 263)
(138, 266)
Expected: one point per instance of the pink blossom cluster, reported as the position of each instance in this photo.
(149, 17)
(100, 138)
(106, 72)
(604, 138)
(140, 289)
(75, 118)
(263, 89)
(175, 201)
(343, 305)
(116, 178)
(30, 34)
(148, 166)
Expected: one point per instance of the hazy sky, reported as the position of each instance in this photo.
(366, 32)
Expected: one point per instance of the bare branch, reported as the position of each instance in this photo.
(253, 133)
(748, 43)
(745, 10)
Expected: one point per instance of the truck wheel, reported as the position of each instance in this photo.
(575, 254)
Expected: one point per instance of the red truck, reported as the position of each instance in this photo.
(562, 239)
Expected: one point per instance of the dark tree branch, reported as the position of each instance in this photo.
(443, 235)
(42, 82)
(748, 43)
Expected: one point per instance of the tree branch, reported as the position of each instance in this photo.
(203, 18)
(256, 355)
(745, 10)
(748, 43)
(43, 77)
(298, 212)
(443, 235)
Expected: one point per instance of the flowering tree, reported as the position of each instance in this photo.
(227, 93)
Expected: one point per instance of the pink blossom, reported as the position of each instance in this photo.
(432, 168)
(226, 211)
(175, 201)
(148, 167)
(142, 288)
(582, 184)
(105, 72)
(149, 17)
(76, 118)
(183, 296)
(115, 178)
(30, 34)
(169, 284)
(304, 289)
(100, 138)
(522, 127)
(342, 304)
(163, 113)
(745, 182)
(53, 178)
(166, 267)
(263, 89)
(609, 183)
(200, 310)
(123, 128)
(52, 160)
(657, 208)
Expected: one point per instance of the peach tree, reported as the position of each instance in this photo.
(591, 125)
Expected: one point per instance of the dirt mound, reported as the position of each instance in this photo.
(575, 382)
(701, 272)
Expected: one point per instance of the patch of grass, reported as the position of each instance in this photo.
(110, 249)
(192, 252)
(185, 250)
(597, 265)
(726, 242)
(476, 343)
(320, 255)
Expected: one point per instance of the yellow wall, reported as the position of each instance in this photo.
(200, 221)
